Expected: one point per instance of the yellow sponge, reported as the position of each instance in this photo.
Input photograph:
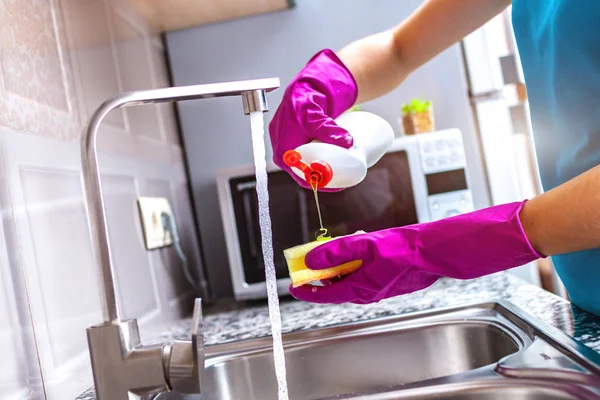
(301, 275)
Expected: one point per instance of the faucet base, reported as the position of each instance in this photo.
(124, 369)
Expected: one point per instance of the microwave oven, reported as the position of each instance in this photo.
(421, 178)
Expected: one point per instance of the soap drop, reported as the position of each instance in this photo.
(323, 234)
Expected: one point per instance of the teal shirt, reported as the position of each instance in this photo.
(559, 46)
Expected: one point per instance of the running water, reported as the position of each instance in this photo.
(264, 219)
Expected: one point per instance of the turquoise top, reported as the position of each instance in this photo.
(559, 46)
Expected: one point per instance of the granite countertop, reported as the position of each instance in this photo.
(232, 323)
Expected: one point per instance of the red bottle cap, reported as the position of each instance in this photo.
(318, 174)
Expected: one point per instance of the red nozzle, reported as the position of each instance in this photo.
(318, 174)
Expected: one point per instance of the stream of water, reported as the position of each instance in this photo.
(264, 218)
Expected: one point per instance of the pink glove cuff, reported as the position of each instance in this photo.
(471, 245)
(533, 251)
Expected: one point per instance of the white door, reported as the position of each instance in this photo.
(500, 107)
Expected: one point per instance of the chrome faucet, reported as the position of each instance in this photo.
(123, 368)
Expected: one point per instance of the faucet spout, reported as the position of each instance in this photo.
(255, 100)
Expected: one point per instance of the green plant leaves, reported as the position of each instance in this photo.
(416, 105)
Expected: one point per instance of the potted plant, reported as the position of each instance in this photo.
(417, 116)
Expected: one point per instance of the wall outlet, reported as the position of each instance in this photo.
(155, 235)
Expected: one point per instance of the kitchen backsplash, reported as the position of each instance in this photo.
(59, 59)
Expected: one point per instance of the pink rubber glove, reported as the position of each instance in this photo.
(406, 259)
(322, 91)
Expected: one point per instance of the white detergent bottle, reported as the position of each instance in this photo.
(329, 166)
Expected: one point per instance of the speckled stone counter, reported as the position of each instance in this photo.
(222, 326)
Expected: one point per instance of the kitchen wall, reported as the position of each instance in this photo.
(218, 137)
(58, 60)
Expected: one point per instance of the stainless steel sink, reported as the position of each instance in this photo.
(485, 351)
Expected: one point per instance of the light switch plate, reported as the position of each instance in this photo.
(155, 235)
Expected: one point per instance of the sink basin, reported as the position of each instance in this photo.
(484, 351)
(361, 362)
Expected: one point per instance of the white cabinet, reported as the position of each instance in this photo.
(179, 14)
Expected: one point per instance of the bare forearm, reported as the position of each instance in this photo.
(375, 65)
(380, 62)
(567, 218)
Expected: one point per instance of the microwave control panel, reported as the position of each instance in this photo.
(443, 161)
(441, 151)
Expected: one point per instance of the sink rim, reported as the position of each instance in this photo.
(487, 313)
(471, 385)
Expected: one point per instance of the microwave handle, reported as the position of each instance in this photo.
(248, 219)
(304, 225)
